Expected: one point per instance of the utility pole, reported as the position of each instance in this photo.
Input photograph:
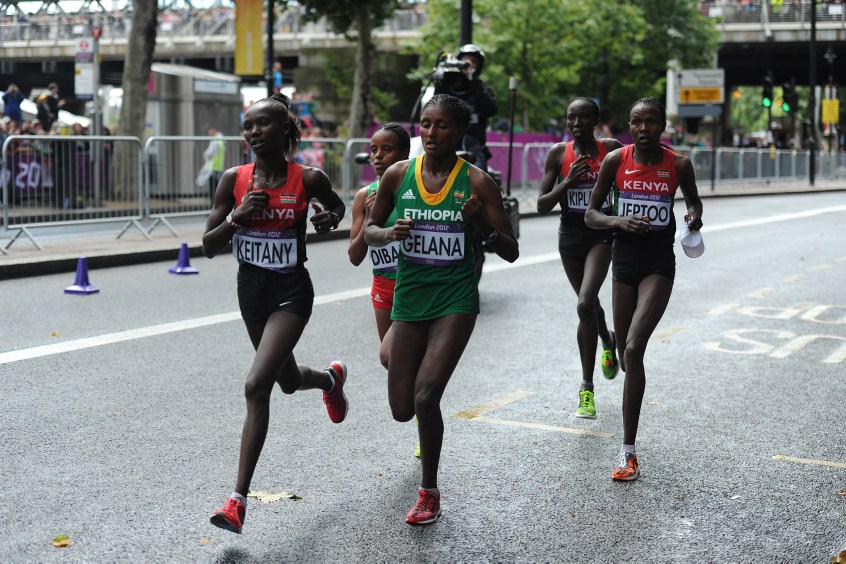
(268, 65)
(466, 22)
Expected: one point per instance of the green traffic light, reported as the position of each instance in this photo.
(785, 106)
(766, 102)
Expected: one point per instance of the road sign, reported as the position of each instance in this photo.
(831, 111)
(709, 95)
(84, 69)
(700, 86)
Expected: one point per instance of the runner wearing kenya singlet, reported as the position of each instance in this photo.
(435, 274)
(441, 201)
(644, 177)
(570, 172)
(262, 209)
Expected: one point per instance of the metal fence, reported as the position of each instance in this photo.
(76, 180)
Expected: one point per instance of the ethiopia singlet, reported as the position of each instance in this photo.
(384, 258)
(578, 196)
(435, 274)
(646, 190)
(275, 237)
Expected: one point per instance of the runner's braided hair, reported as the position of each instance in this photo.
(457, 108)
(290, 128)
(593, 105)
(403, 140)
(651, 102)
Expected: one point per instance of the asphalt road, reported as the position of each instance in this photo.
(121, 412)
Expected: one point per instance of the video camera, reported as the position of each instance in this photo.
(449, 73)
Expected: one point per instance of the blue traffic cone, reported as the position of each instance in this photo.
(183, 264)
(82, 285)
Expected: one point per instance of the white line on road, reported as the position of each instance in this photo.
(164, 328)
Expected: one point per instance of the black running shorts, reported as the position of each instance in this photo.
(262, 292)
(577, 243)
(631, 264)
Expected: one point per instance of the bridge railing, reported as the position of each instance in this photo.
(765, 14)
(210, 23)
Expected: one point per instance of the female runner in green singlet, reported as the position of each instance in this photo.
(442, 201)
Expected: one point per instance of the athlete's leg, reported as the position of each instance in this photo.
(385, 347)
(596, 270)
(653, 295)
(623, 303)
(383, 321)
(448, 336)
(274, 341)
(407, 347)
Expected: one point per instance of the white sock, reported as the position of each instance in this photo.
(331, 379)
(432, 490)
(586, 386)
(628, 448)
(239, 497)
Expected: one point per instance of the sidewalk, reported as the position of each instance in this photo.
(60, 255)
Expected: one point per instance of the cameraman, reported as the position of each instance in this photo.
(480, 97)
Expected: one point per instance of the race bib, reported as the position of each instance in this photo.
(435, 244)
(578, 199)
(274, 250)
(385, 258)
(657, 207)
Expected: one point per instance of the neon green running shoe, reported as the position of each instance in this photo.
(610, 365)
(417, 448)
(587, 409)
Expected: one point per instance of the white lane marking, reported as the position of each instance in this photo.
(153, 330)
(763, 292)
(543, 427)
(720, 310)
(164, 328)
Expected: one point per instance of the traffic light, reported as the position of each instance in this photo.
(789, 99)
(767, 92)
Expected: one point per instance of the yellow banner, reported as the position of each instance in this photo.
(831, 111)
(249, 51)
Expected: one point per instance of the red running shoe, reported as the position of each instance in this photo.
(231, 517)
(336, 401)
(426, 510)
(627, 469)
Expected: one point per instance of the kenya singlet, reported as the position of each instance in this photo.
(384, 258)
(647, 190)
(577, 197)
(435, 274)
(275, 237)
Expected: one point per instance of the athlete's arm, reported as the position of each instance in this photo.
(218, 231)
(605, 179)
(485, 210)
(358, 248)
(551, 192)
(317, 185)
(687, 184)
(374, 233)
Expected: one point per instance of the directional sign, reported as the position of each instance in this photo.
(700, 95)
(701, 86)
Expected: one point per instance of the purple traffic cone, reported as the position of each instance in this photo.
(82, 285)
(183, 264)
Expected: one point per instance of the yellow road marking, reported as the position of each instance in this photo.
(822, 268)
(809, 461)
(543, 427)
(478, 410)
(669, 332)
(797, 278)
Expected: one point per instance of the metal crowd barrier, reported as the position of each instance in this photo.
(58, 180)
(76, 180)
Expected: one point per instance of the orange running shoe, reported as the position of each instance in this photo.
(426, 510)
(626, 469)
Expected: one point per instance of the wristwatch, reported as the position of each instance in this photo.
(491, 237)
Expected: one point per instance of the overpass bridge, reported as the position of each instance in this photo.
(756, 36)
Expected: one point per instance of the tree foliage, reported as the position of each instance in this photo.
(361, 17)
(615, 51)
